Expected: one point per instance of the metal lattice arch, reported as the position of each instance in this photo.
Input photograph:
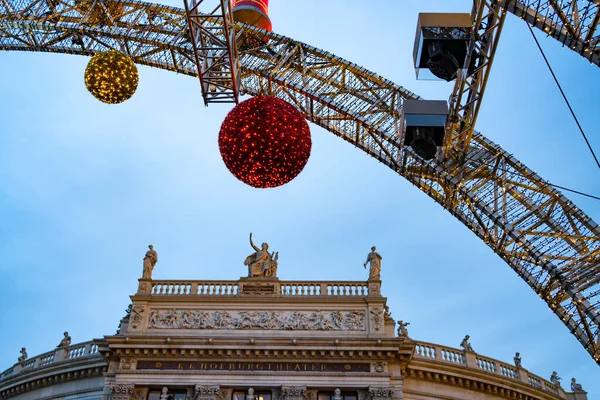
(545, 238)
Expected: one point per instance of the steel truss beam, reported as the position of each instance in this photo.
(574, 23)
(215, 51)
(488, 19)
(549, 242)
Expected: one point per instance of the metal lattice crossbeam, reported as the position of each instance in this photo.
(215, 51)
(549, 242)
(574, 23)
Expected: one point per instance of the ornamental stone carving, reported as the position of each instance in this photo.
(381, 393)
(127, 364)
(206, 392)
(121, 391)
(374, 289)
(292, 393)
(379, 367)
(137, 314)
(265, 320)
(225, 394)
(377, 318)
(140, 394)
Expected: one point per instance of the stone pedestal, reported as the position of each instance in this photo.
(144, 286)
(258, 286)
(577, 396)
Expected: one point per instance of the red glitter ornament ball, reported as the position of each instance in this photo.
(265, 142)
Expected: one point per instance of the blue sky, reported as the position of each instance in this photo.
(85, 187)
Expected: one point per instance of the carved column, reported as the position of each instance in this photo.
(381, 393)
(292, 393)
(206, 392)
(121, 391)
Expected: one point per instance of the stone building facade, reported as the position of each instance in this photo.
(261, 338)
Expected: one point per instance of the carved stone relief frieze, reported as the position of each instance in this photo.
(121, 391)
(266, 320)
(377, 318)
(137, 314)
(292, 393)
(381, 393)
(207, 392)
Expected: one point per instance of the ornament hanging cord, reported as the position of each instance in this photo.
(564, 96)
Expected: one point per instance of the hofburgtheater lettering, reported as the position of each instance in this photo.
(252, 366)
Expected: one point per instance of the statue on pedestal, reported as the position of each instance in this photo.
(261, 264)
(66, 341)
(402, 331)
(23, 355)
(555, 379)
(517, 359)
(374, 259)
(150, 260)
(466, 345)
(576, 387)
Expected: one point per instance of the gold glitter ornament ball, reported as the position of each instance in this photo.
(111, 77)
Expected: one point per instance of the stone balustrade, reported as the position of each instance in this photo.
(86, 349)
(475, 361)
(285, 288)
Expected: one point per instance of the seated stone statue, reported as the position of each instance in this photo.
(576, 387)
(261, 263)
(23, 356)
(66, 340)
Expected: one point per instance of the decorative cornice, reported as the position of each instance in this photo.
(68, 394)
(58, 377)
(479, 385)
(294, 353)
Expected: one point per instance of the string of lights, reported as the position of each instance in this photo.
(564, 97)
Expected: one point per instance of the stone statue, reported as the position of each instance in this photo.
(387, 315)
(517, 359)
(374, 259)
(337, 394)
(555, 379)
(402, 331)
(466, 345)
(576, 387)
(261, 264)
(150, 260)
(23, 356)
(66, 341)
